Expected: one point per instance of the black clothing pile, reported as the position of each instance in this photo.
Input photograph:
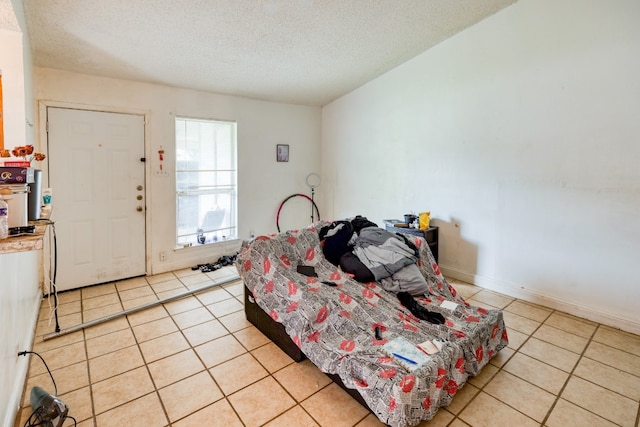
(418, 310)
(221, 262)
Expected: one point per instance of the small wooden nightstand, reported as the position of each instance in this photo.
(430, 235)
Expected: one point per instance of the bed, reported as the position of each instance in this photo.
(359, 334)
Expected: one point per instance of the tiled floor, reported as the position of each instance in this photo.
(197, 362)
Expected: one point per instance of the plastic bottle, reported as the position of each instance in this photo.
(4, 219)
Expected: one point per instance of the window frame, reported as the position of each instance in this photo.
(223, 233)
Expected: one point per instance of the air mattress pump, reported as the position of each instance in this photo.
(47, 408)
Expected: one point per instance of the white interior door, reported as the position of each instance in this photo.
(97, 180)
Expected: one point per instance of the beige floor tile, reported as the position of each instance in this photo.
(297, 416)
(536, 372)
(118, 390)
(261, 402)
(609, 377)
(613, 357)
(218, 413)
(462, 398)
(104, 328)
(100, 301)
(618, 339)
(182, 305)
(47, 311)
(204, 332)
(135, 293)
(98, 290)
(147, 315)
(138, 302)
(605, 403)
(135, 282)
(49, 326)
(502, 357)
(465, 289)
(187, 272)
(69, 378)
(519, 323)
(220, 350)
(196, 281)
(68, 296)
(154, 329)
(567, 340)
(214, 295)
(115, 363)
(235, 289)
(110, 342)
(475, 303)
(192, 317)
(516, 339)
(223, 274)
(551, 354)
(271, 357)
(79, 404)
(98, 312)
(162, 277)
(145, 410)
(238, 373)
(163, 346)
(180, 400)
(442, 418)
(251, 337)
(175, 368)
(458, 423)
(521, 395)
(225, 307)
(57, 358)
(173, 293)
(167, 286)
(531, 311)
(302, 379)
(566, 414)
(492, 298)
(332, 406)
(40, 346)
(235, 321)
(484, 376)
(575, 325)
(488, 411)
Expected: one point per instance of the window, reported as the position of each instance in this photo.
(206, 181)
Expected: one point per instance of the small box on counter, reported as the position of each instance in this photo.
(16, 175)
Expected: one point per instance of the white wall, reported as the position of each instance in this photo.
(262, 183)
(19, 272)
(521, 135)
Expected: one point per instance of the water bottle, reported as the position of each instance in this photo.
(4, 219)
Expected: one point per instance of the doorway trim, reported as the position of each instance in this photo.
(43, 140)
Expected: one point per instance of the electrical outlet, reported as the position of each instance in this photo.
(163, 256)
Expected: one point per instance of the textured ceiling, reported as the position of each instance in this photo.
(298, 51)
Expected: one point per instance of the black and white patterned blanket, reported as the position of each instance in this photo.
(335, 326)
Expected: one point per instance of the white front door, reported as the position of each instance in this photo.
(97, 179)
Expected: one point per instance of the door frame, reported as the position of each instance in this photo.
(44, 144)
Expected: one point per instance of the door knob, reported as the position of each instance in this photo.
(139, 208)
(139, 197)
(139, 187)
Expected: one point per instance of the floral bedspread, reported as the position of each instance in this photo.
(335, 326)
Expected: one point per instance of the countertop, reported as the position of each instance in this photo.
(24, 243)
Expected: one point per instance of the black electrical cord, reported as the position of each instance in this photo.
(38, 412)
(291, 197)
(25, 352)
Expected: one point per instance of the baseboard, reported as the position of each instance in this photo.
(22, 367)
(516, 291)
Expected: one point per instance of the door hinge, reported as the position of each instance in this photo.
(47, 126)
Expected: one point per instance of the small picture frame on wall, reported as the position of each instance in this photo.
(282, 152)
